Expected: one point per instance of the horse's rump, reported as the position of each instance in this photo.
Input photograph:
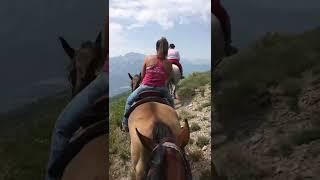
(75, 146)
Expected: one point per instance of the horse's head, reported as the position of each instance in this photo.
(85, 63)
(168, 160)
(135, 81)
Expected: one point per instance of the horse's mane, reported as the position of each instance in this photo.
(161, 131)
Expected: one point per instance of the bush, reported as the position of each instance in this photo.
(186, 87)
(194, 127)
(202, 141)
(196, 155)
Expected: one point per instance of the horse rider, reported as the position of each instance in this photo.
(155, 72)
(68, 120)
(174, 57)
(219, 11)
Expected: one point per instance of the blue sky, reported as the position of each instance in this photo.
(136, 25)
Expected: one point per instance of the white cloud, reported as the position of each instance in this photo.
(166, 13)
(126, 15)
(116, 38)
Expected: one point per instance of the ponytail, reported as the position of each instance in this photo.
(162, 47)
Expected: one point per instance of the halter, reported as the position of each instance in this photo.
(156, 160)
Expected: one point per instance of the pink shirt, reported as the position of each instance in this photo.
(155, 75)
(173, 54)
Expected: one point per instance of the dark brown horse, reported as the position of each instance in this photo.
(86, 156)
(157, 141)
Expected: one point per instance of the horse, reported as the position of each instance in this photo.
(157, 141)
(86, 156)
(218, 48)
(174, 79)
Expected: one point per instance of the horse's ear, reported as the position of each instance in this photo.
(146, 142)
(99, 39)
(67, 48)
(130, 76)
(140, 74)
(184, 135)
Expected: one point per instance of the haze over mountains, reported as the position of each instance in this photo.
(131, 63)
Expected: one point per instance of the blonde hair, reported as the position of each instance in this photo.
(162, 47)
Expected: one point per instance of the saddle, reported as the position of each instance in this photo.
(148, 96)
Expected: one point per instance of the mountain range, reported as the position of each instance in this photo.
(131, 63)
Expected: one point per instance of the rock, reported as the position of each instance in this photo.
(204, 148)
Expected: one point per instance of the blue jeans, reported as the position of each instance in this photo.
(134, 95)
(68, 121)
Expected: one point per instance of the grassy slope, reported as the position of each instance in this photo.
(25, 136)
(276, 59)
(243, 96)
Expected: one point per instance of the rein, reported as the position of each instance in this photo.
(156, 161)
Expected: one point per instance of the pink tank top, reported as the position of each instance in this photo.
(155, 75)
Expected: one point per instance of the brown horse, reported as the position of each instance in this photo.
(86, 156)
(157, 141)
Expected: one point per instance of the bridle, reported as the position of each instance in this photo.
(154, 167)
(138, 83)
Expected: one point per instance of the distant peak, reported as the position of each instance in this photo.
(133, 54)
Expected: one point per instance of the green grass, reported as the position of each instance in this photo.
(274, 60)
(202, 141)
(119, 141)
(185, 115)
(25, 138)
(194, 127)
(186, 87)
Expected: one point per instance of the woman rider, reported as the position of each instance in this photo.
(174, 57)
(155, 73)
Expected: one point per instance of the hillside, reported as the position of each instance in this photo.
(25, 136)
(266, 100)
(194, 105)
